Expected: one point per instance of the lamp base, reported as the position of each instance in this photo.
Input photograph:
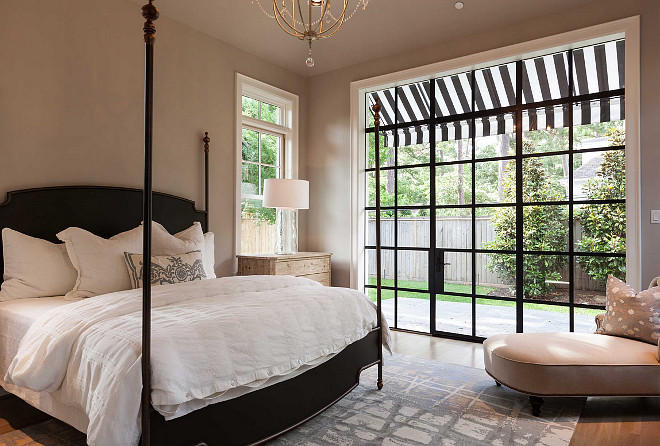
(286, 224)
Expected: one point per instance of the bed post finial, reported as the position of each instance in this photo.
(150, 14)
(379, 309)
(206, 140)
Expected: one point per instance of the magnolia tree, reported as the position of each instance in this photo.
(604, 225)
(544, 228)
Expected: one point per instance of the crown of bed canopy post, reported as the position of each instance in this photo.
(376, 109)
(150, 14)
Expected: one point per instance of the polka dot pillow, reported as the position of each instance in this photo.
(631, 314)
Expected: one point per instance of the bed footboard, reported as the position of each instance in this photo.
(264, 414)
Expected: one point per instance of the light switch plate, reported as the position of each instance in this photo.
(655, 216)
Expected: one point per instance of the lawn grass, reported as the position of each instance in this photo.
(466, 289)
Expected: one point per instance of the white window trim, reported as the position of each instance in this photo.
(288, 102)
(627, 28)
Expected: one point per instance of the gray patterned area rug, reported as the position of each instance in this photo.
(426, 402)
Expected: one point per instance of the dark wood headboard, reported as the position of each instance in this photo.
(102, 210)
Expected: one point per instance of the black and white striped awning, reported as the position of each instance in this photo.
(597, 68)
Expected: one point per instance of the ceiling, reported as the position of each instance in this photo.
(386, 27)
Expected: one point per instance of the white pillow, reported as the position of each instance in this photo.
(34, 267)
(190, 239)
(100, 262)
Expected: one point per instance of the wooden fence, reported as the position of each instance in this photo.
(451, 232)
(257, 237)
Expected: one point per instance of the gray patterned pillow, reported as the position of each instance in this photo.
(631, 314)
(166, 269)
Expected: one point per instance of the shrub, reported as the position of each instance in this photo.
(544, 228)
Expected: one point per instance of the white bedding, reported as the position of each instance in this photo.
(209, 339)
(16, 316)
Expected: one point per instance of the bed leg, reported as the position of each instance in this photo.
(536, 403)
(379, 383)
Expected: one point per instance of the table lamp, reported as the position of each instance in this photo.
(286, 196)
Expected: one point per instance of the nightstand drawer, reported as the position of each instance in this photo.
(302, 266)
(322, 278)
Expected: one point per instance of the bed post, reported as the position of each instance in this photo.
(376, 110)
(206, 140)
(150, 14)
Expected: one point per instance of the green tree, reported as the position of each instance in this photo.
(604, 225)
(544, 228)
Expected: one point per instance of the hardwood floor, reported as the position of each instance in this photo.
(604, 421)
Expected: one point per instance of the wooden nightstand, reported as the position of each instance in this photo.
(313, 265)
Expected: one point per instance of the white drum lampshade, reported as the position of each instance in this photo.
(287, 196)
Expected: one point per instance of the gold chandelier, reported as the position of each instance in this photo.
(311, 20)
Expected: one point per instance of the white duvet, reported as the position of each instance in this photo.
(208, 338)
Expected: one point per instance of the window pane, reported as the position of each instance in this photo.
(249, 179)
(457, 271)
(387, 179)
(413, 186)
(453, 142)
(600, 228)
(413, 310)
(386, 228)
(545, 78)
(258, 234)
(250, 107)
(545, 277)
(250, 145)
(599, 67)
(453, 95)
(495, 136)
(453, 184)
(496, 228)
(599, 175)
(496, 275)
(495, 317)
(603, 115)
(270, 149)
(495, 182)
(413, 270)
(268, 172)
(413, 228)
(590, 275)
(545, 228)
(540, 318)
(453, 314)
(271, 113)
(413, 102)
(544, 131)
(454, 228)
(386, 152)
(496, 87)
(414, 147)
(545, 178)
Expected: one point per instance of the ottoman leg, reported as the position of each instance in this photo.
(498, 384)
(536, 403)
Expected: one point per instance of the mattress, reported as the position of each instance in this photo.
(16, 316)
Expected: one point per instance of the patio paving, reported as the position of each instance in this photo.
(456, 317)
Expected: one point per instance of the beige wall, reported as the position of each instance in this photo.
(329, 144)
(71, 103)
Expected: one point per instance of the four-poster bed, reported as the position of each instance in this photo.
(256, 414)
